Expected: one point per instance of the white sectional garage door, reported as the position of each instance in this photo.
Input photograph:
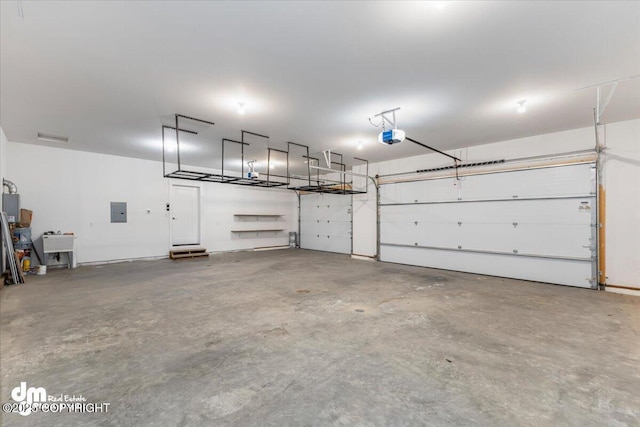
(325, 222)
(536, 224)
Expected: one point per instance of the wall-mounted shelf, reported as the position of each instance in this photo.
(257, 231)
(257, 220)
(259, 215)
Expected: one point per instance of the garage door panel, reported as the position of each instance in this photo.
(549, 211)
(412, 192)
(422, 235)
(565, 211)
(335, 228)
(341, 214)
(573, 180)
(552, 240)
(325, 243)
(339, 228)
(545, 182)
(421, 213)
(309, 212)
(313, 227)
(562, 272)
(334, 213)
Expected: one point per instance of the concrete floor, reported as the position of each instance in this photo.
(296, 337)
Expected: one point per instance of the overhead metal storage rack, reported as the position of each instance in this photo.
(308, 183)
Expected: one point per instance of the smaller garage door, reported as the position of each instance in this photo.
(325, 222)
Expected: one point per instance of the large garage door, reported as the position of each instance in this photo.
(325, 222)
(536, 224)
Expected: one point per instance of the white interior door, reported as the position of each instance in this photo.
(536, 224)
(325, 222)
(185, 215)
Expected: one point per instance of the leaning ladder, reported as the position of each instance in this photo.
(14, 267)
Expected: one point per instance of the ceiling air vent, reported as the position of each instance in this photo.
(52, 138)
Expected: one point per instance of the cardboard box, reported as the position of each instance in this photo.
(25, 217)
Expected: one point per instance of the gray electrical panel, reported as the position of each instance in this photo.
(118, 211)
(11, 205)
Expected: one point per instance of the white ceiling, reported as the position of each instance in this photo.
(108, 74)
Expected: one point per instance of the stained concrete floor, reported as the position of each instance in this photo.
(297, 338)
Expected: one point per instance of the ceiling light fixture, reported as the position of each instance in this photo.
(52, 138)
(521, 107)
(359, 145)
(241, 109)
(439, 4)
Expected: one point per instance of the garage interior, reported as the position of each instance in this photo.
(319, 213)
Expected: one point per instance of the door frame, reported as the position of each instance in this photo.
(172, 184)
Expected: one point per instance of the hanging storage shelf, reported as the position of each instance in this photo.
(302, 184)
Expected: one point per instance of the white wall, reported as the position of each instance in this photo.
(71, 191)
(3, 171)
(3, 157)
(364, 219)
(622, 172)
(622, 185)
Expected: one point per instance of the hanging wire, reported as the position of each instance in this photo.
(20, 9)
(377, 125)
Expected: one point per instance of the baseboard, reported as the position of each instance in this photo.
(113, 261)
(268, 248)
(624, 290)
(363, 257)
